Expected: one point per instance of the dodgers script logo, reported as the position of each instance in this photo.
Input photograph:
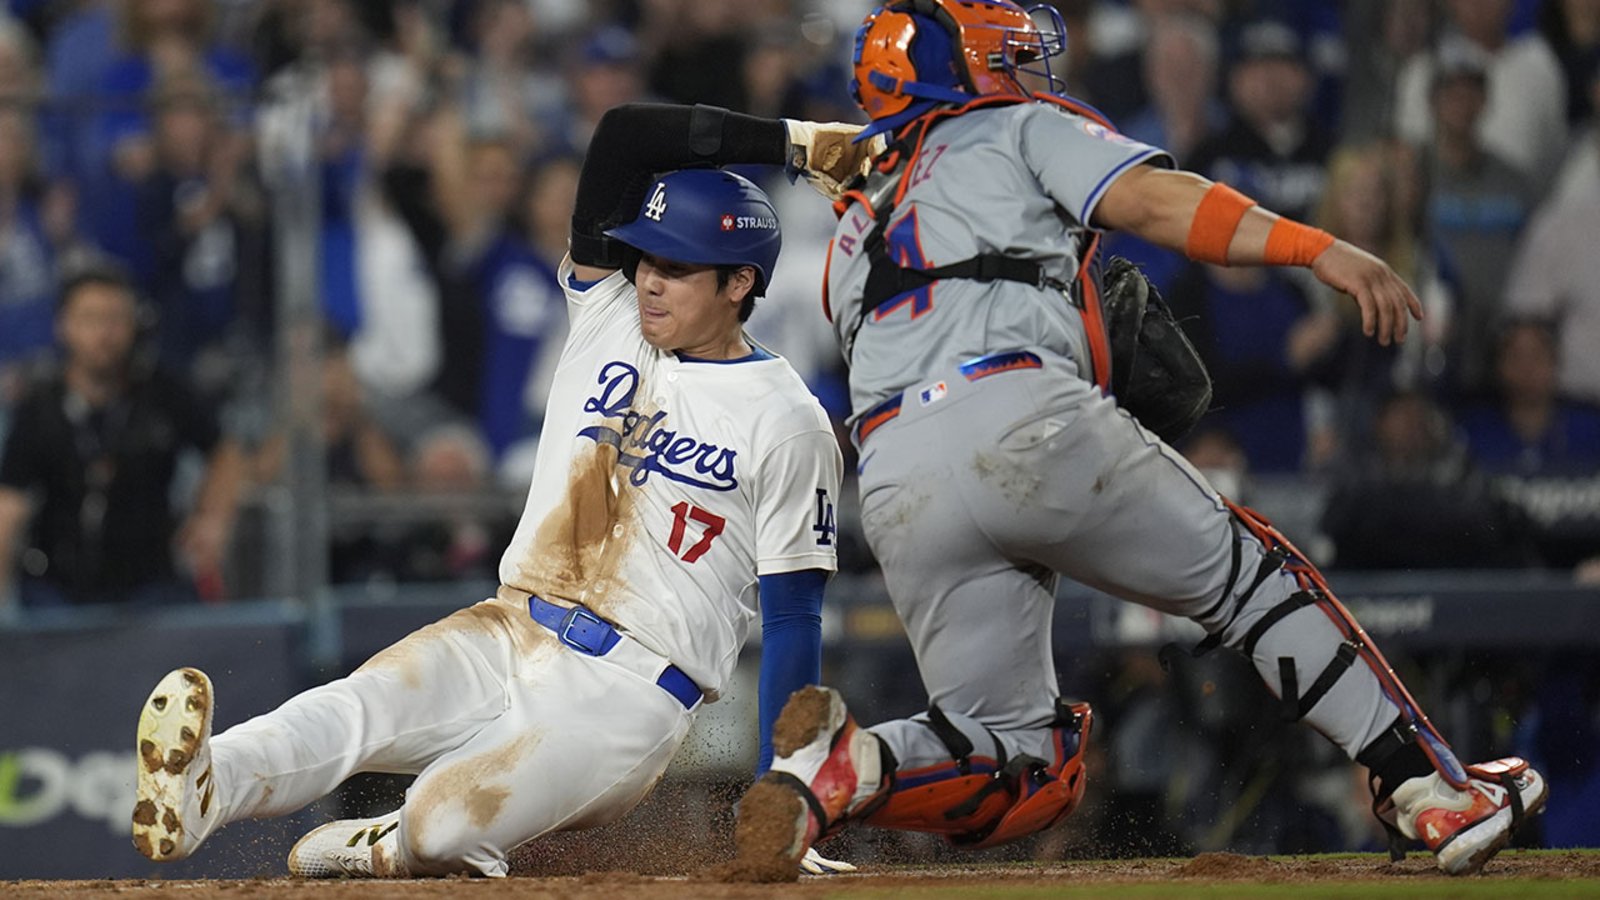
(644, 446)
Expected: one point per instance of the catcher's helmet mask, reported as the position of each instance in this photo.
(900, 53)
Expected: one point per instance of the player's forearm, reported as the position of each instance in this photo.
(791, 658)
(635, 141)
(791, 645)
(448, 172)
(13, 515)
(223, 482)
(1205, 221)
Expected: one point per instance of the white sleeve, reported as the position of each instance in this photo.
(1413, 115)
(797, 486)
(397, 349)
(1549, 130)
(1538, 271)
(596, 309)
(583, 295)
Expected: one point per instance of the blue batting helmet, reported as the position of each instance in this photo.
(707, 217)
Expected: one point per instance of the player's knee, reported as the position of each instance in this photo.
(1256, 580)
(439, 848)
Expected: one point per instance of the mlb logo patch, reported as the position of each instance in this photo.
(933, 393)
(727, 222)
(1096, 130)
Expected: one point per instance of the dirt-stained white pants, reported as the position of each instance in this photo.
(511, 735)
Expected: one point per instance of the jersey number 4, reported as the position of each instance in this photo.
(683, 513)
(904, 246)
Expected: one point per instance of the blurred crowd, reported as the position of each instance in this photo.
(142, 247)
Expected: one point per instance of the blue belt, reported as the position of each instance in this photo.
(587, 633)
(973, 370)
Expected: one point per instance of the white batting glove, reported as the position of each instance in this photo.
(814, 863)
(824, 153)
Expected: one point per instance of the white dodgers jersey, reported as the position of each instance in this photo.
(665, 486)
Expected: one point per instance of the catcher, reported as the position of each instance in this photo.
(1006, 441)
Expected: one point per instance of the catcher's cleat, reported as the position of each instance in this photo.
(350, 848)
(1465, 828)
(826, 770)
(175, 812)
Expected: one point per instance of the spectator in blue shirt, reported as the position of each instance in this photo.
(523, 313)
(1180, 72)
(76, 58)
(160, 39)
(27, 277)
(1412, 499)
(1263, 344)
(494, 237)
(1530, 430)
(199, 237)
(1273, 149)
(27, 256)
(1543, 450)
(1477, 205)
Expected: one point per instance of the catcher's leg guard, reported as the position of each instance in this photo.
(983, 801)
(1412, 725)
(1409, 755)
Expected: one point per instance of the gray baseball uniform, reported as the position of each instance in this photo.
(990, 463)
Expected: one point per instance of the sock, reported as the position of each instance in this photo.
(1402, 762)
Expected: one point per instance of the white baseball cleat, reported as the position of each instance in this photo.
(174, 812)
(814, 863)
(1465, 828)
(350, 848)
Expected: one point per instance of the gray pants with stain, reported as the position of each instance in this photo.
(975, 503)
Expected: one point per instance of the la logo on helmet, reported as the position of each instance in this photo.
(657, 204)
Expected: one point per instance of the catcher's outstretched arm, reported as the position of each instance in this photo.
(636, 142)
(1213, 223)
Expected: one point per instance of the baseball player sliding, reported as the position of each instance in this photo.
(685, 475)
(994, 460)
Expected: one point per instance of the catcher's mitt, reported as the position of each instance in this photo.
(1155, 372)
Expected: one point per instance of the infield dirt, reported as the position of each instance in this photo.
(1573, 873)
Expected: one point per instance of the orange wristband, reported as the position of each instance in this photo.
(1291, 244)
(1215, 221)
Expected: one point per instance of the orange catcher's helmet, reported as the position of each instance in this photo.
(951, 51)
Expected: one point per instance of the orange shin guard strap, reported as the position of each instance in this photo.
(1215, 221)
(1290, 243)
(986, 808)
(928, 807)
(1051, 802)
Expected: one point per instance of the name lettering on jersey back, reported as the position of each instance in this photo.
(860, 222)
(645, 445)
(923, 170)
